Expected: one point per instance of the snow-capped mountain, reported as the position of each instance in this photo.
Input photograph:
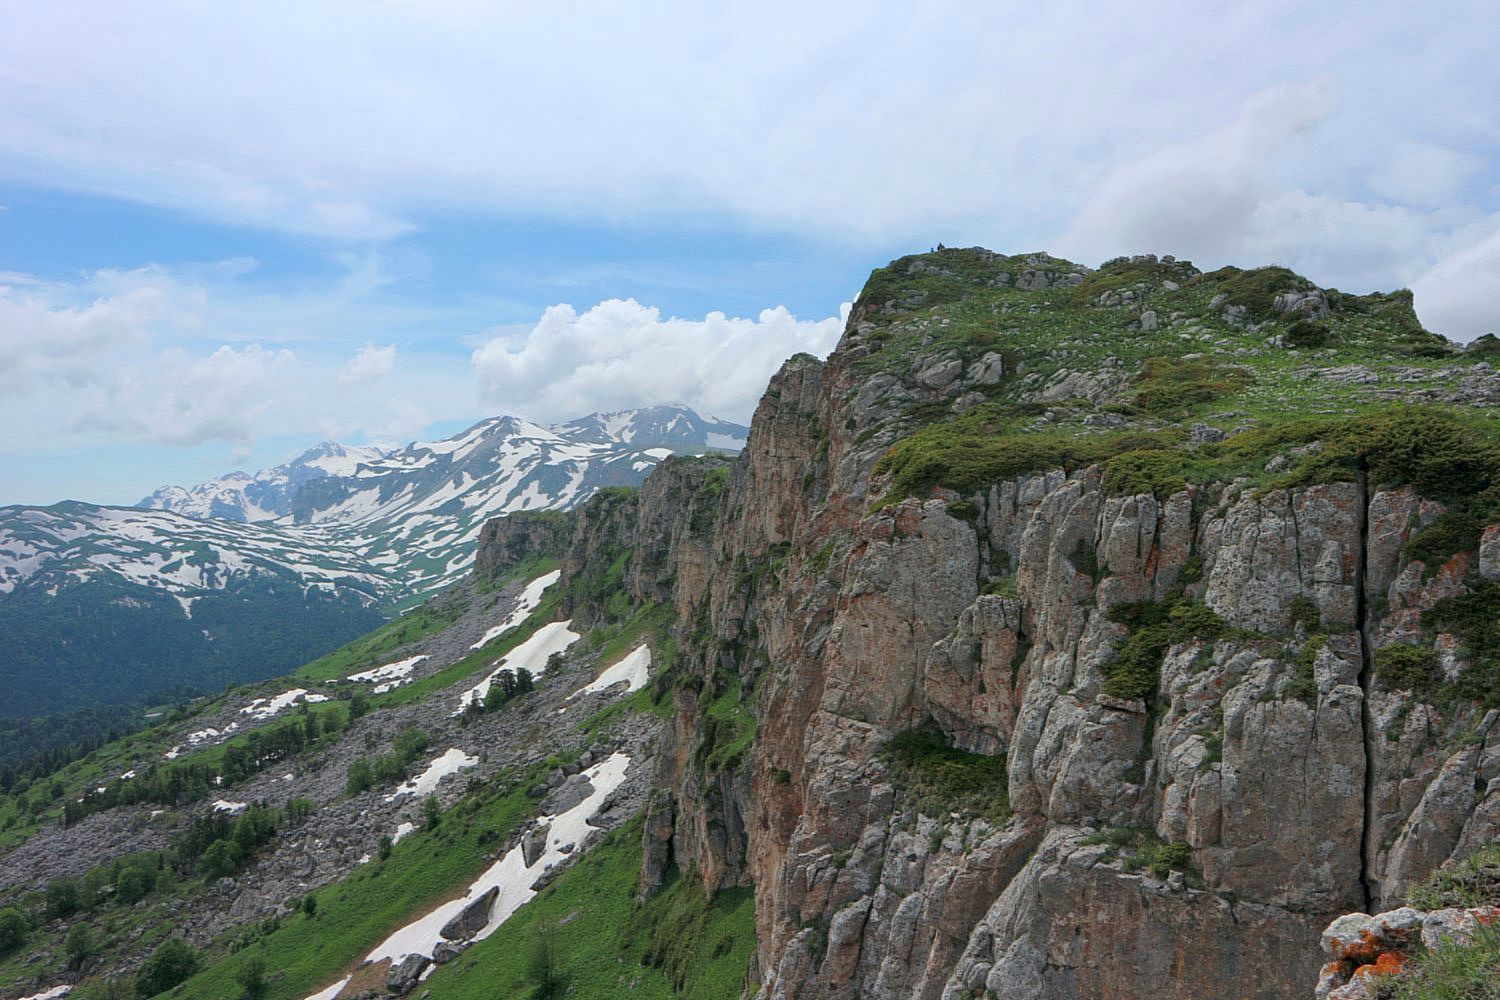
(419, 508)
(246, 576)
(51, 548)
(266, 495)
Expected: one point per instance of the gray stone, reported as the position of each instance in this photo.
(472, 918)
(404, 974)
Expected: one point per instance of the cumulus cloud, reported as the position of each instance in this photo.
(621, 353)
(369, 363)
(159, 356)
(43, 343)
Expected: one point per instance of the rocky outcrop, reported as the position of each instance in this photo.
(1187, 839)
(506, 542)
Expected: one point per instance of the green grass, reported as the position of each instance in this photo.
(728, 728)
(1458, 972)
(678, 944)
(371, 650)
(425, 868)
(1471, 881)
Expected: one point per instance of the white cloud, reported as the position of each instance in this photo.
(1199, 198)
(945, 121)
(180, 399)
(166, 357)
(620, 353)
(1459, 296)
(1424, 173)
(370, 363)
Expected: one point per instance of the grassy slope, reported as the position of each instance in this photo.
(599, 936)
(356, 914)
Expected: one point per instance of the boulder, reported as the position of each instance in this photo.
(404, 974)
(472, 918)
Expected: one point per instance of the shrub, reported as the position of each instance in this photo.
(222, 859)
(1304, 611)
(170, 965)
(981, 447)
(1152, 628)
(63, 896)
(1403, 667)
(12, 929)
(134, 880)
(310, 905)
(1451, 532)
(1168, 386)
(942, 779)
(252, 979)
(1156, 471)
(1475, 619)
(1172, 857)
(360, 777)
(80, 944)
(1305, 334)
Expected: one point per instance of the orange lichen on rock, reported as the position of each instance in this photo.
(1389, 963)
(1362, 952)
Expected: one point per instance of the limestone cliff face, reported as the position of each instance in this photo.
(827, 621)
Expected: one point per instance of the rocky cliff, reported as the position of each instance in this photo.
(1072, 633)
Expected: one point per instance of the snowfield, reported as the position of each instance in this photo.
(449, 763)
(532, 655)
(530, 598)
(267, 708)
(634, 669)
(510, 873)
(390, 676)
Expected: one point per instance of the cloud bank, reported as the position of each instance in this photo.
(620, 353)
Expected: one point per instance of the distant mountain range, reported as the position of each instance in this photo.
(121, 602)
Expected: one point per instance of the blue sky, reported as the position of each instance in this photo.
(228, 234)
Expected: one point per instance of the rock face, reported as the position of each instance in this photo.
(1286, 780)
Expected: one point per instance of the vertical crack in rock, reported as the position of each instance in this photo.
(1366, 682)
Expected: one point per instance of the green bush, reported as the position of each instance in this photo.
(134, 880)
(941, 779)
(63, 897)
(80, 944)
(1306, 335)
(1475, 619)
(1304, 611)
(1171, 857)
(12, 929)
(1152, 628)
(1172, 386)
(1403, 667)
(1155, 471)
(222, 859)
(170, 965)
(1451, 532)
(981, 447)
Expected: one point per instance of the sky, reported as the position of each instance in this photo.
(228, 232)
